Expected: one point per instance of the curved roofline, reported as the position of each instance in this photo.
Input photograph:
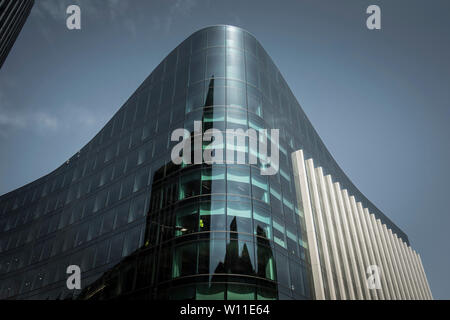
(222, 25)
(364, 198)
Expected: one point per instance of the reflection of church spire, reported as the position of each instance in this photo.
(209, 101)
(263, 251)
(237, 261)
(233, 228)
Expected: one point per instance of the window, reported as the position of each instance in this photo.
(130, 111)
(87, 258)
(100, 201)
(184, 260)
(283, 270)
(212, 216)
(211, 256)
(288, 207)
(141, 180)
(145, 153)
(54, 222)
(260, 186)
(198, 41)
(131, 161)
(161, 144)
(82, 234)
(95, 182)
(252, 70)
(250, 43)
(168, 86)
(127, 186)
(215, 63)
(235, 64)
(235, 37)
(132, 240)
(214, 118)
(71, 194)
(94, 228)
(110, 152)
(136, 138)
(70, 238)
(122, 214)
(170, 192)
(155, 96)
(123, 145)
(142, 105)
(216, 36)
(36, 254)
(116, 247)
(57, 248)
(291, 241)
(119, 167)
(77, 210)
(266, 264)
(137, 208)
(254, 101)
(239, 216)
(190, 184)
(170, 64)
(149, 129)
(195, 97)
(42, 232)
(275, 199)
(197, 67)
(215, 94)
(105, 177)
(236, 96)
(178, 111)
(261, 216)
(297, 277)
(237, 118)
(278, 233)
(102, 252)
(240, 257)
(163, 121)
(114, 193)
(186, 220)
(238, 179)
(108, 221)
(213, 180)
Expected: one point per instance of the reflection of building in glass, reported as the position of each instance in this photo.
(141, 227)
(13, 14)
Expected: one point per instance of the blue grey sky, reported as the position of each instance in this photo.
(379, 99)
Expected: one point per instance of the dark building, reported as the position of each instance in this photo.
(141, 226)
(13, 14)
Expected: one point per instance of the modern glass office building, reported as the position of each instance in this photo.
(142, 227)
(13, 14)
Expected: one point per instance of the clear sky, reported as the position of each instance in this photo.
(379, 99)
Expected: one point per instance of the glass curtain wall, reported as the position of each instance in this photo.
(141, 227)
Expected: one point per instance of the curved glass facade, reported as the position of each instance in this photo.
(140, 226)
